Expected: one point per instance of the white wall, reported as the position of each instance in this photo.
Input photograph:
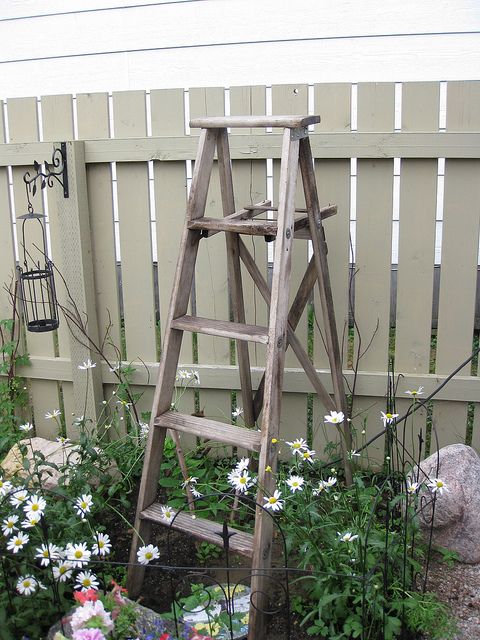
(73, 46)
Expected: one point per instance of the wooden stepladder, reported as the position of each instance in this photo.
(279, 334)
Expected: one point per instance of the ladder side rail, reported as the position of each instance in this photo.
(170, 353)
(320, 254)
(278, 323)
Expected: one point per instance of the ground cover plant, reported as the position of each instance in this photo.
(354, 552)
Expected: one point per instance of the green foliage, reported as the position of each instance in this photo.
(13, 392)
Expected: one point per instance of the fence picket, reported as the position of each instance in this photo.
(129, 113)
(23, 127)
(250, 184)
(7, 252)
(211, 272)
(373, 245)
(93, 123)
(333, 105)
(418, 201)
(168, 118)
(461, 220)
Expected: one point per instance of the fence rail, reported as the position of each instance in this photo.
(132, 156)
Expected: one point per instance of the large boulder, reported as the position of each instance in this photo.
(456, 513)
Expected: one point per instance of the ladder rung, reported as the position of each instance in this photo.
(222, 328)
(325, 212)
(210, 429)
(247, 227)
(241, 542)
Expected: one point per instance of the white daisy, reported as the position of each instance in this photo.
(102, 546)
(5, 487)
(147, 554)
(30, 521)
(347, 537)
(62, 440)
(195, 493)
(168, 513)
(83, 504)
(307, 455)
(242, 464)
(18, 498)
(47, 553)
(87, 365)
(412, 487)
(86, 580)
(274, 502)
(415, 392)
(26, 427)
(26, 585)
(78, 554)
(241, 481)
(388, 418)
(62, 571)
(237, 412)
(35, 506)
(295, 483)
(332, 481)
(189, 481)
(50, 415)
(298, 445)
(335, 417)
(9, 525)
(437, 485)
(17, 542)
(352, 454)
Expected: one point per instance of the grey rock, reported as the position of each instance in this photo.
(456, 513)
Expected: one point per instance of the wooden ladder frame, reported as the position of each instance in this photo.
(296, 153)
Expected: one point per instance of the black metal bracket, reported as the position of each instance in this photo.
(56, 169)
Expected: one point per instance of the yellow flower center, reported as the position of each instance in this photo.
(86, 582)
(296, 445)
(272, 500)
(242, 480)
(62, 570)
(18, 542)
(389, 416)
(149, 555)
(101, 544)
(34, 507)
(439, 484)
(27, 583)
(78, 554)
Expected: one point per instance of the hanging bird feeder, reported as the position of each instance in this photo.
(36, 276)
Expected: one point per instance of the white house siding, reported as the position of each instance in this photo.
(58, 46)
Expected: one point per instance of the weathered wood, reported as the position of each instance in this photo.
(325, 292)
(325, 212)
(247, 227)
(242, 214)
(292, 122)
(331, 146)
(240, 542)
(235, 274)
(210, 429)
(221, 328)
(278, 323)
(293, 317)
(171, 349)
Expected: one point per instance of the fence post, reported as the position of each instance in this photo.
(77, 270)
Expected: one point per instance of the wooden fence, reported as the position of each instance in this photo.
(130, 163)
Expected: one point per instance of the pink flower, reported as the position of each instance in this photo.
(88, 634)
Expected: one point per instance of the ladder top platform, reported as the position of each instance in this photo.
(286, 122)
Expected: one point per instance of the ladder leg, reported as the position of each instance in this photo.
(170, 352)
(273, 382)
(235, 275)
(325, 291)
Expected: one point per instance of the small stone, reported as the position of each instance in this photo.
(456, 519)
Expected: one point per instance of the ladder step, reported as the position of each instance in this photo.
(210, 429)
(241, 542)
(247, 227)
(222, 328)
